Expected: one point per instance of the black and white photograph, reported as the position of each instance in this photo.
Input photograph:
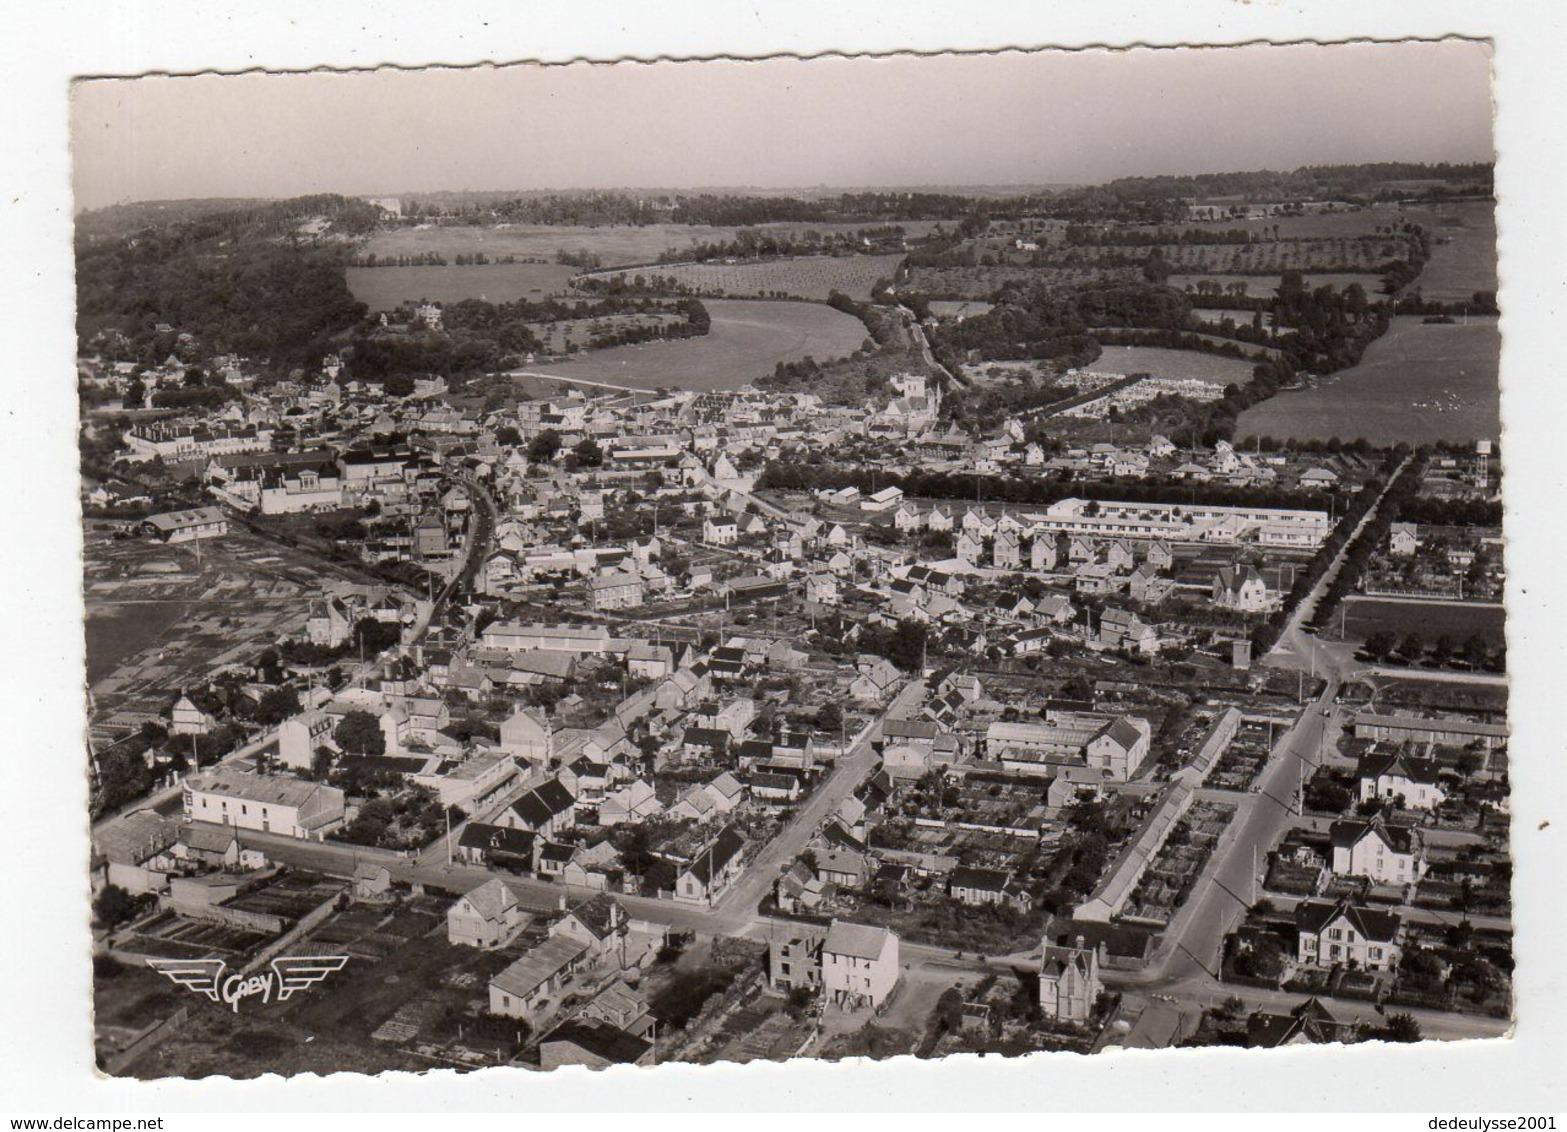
(641, 563)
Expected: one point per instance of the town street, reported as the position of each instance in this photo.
(738, 905)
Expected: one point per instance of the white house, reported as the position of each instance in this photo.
(859, 964)
(1330, 934)
(1385, 854)
(487, 917)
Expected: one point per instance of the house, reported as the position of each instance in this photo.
(602, 925)
(615, 589)
(497, 846)
(875, 682)
(1352, 934)
(1069, 982)
(1310, 1023)
(720, 531)
(859, 964)
(1411, 781)
(1240, 588)
(594, 1044)
(795, 963)
(487, 917)
(547, 809)
(798, 889)
(622, 1006)
(971, 547)
(1122, 629)
(137, 852)
(1386, 854)
(217, 848)
(270, 803)
(1317, 479)
(908, 517)
(633, 803)
(185, 718)
(712, 869)
(976, 886)
(1403, 539)
(372, 883)
(531, 988)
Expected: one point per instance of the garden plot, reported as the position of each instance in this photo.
(1243, 760)
(1173, 872)
(171, 936)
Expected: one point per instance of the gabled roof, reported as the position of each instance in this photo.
(716, 855)
(1312, 916)
(492, 899)
(496, 839)
(603, 1041)
(862, 941)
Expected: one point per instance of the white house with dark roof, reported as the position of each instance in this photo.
(1385, 854)
(1330, 934)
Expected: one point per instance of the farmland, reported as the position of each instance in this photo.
(804, 277)
(1172, 363)
(1417, 383)
(614, 245)
(1364, 616)
(747, 341)
(385, 288)
(1463, 251)
(1263, 286)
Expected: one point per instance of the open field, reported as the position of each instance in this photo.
(1263, 286)
(158, 620)
(1417, 383)
(1160, 362)
(615, 245)
(747, 341)
(1364, 616)
(805, 277)
(1463, 250)
(385, 288)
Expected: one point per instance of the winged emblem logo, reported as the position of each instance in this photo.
(285, 977)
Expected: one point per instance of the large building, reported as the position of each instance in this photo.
(187, 526)
(270, 803)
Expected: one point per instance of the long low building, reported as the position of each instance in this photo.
(188, 525)
(1182, 522)
(1399, 728)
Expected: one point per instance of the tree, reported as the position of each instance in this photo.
(398, 385)
(1476, 651)
(359, 733)
(509, 436)
(588, 453)
(276, 705)
(1380, 644)
(1402, 1028)
(829, 717)
(112, 907)
(1413, 648)
(543, 447)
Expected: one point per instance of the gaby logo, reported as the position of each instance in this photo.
(287, 975)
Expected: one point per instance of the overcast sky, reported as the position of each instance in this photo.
(1049, 117)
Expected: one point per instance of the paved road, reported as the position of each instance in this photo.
(738, 905)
